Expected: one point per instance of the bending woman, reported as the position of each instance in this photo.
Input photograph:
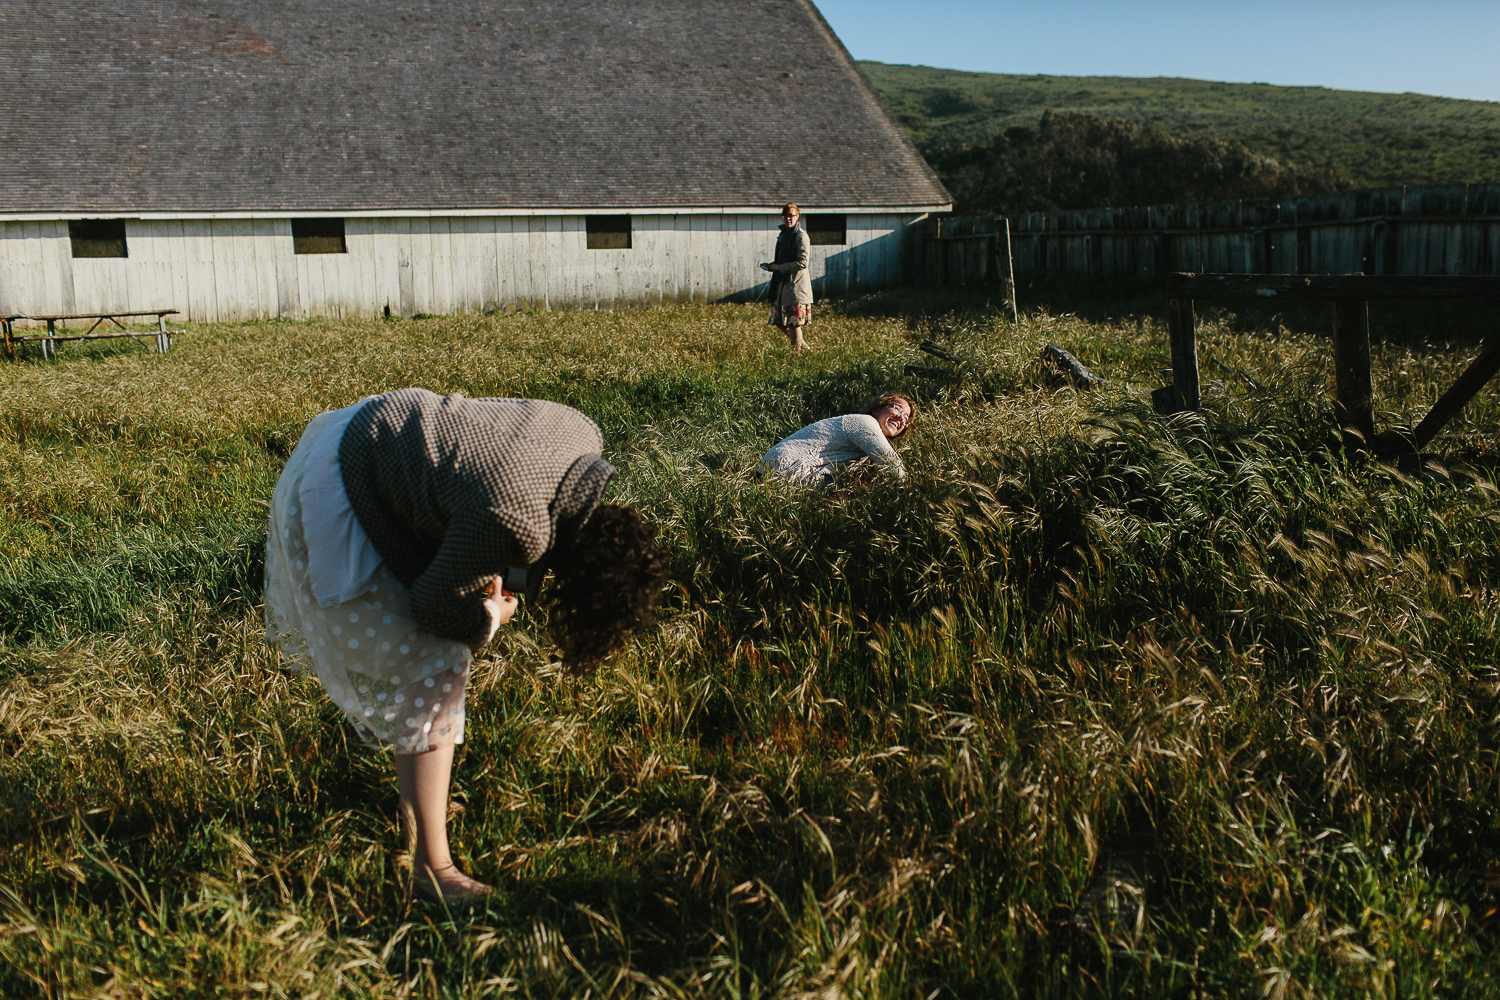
(819, 450)
(791, 285)
(399, 530)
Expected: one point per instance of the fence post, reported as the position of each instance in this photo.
(1184, 352)
(1470, 382)
(1006, 267)
(1351, 364)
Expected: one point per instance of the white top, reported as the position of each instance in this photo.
(818, 450)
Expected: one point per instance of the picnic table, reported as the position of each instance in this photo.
(48, 341)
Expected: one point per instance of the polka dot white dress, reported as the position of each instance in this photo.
(395, 682)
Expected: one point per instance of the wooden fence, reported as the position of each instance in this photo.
(1450, 230)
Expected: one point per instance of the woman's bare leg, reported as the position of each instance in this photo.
(424, 781)
(794, 337)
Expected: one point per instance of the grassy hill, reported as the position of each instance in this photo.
(887, 739)
(1372, 139)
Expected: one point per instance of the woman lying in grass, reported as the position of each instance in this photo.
(819, 450)
(398, 529)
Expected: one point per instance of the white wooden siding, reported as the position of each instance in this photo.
(235, 269)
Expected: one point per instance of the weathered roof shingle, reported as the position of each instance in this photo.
(310, 106)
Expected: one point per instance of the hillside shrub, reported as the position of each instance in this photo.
(1075, 160)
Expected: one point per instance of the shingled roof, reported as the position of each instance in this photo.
(309, 106)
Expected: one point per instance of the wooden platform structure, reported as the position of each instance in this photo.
(1351, 295)
(48, 341)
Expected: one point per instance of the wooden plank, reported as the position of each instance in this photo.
(359, 237)
(752, 252)
(421, 265)
(88, 287)
(645, 266)
(665, 254)
(444, 266)
(140, 290)
(463, 267)
(246, 277)
(36, 285)
(12, 303)
(1184, 341)
(406, 279)
(697, 276)
(1330, 286)
(1351, 364)
(384, 275)
(535, 250)
(1480, 371)
(198, 257)
(353, 266)
(121, 314)
(285, 268)
(733, 227)
(505, 262)
(1007, 269)
(159, 280)
(310, 280)
(486, 255)
(565, 263)
(57, 260)
(566, 245)
(173, 252)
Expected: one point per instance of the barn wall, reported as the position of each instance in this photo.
(237, 269)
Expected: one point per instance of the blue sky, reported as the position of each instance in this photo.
(1445, 47)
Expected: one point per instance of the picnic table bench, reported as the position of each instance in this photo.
(1350, 295)
(48, 341)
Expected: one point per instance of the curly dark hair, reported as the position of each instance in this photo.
(606, 578)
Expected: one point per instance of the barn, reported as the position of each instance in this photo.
(296, 158)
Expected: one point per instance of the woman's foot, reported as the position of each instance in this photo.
(447, 885)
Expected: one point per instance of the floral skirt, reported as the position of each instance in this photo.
(396, 683)
(797, 314)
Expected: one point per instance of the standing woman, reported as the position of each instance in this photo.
(791, 286)
(400, 528)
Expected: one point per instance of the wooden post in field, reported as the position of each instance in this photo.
(1470, 382)
(1184, 352)
(1351, 364)
(1006, 267)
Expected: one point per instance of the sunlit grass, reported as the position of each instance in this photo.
(882, 738)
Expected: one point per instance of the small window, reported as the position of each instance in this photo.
(826, 230)
(318, 236)
(97, 237)
(608, 232)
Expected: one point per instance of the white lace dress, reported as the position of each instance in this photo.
(331, 605)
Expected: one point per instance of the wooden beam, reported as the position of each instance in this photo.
(1330, 286)
(1351, 365)
(105, 315)
(1184, 352)
(1480, 371)
(1007, 268)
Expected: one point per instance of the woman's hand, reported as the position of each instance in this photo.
(500, 605)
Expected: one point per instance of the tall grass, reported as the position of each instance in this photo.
(885, 738)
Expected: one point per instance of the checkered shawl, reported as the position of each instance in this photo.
(452, 491)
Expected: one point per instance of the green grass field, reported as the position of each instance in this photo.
(883, 740)
(1372, 139)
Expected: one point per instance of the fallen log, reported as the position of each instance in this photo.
(1063, 363)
